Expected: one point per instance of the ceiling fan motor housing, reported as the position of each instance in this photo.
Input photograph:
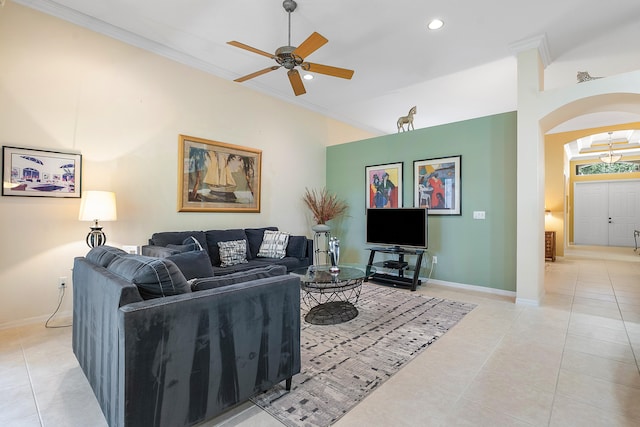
(286, 58)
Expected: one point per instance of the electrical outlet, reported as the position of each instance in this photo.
(62, 282)
(435, 259)
(131, 249)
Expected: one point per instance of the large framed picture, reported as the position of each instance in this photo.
(40, 173)
(217, 177)
(437, 185)
(384, 185)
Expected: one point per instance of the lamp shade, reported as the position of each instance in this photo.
(98, 206)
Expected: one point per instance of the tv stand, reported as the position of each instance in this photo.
(400, 265)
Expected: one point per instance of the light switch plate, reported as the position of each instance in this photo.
(478, 215)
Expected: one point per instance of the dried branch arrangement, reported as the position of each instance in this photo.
(323, 205)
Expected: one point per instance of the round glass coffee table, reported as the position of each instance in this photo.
(331, 296)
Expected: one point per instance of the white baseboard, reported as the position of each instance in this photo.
(528, 301)
(474, 288)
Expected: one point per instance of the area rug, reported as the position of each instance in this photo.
(342, 364)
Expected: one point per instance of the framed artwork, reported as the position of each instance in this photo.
(217, 177)
(384, 185)
(437, 185)
(39, 173)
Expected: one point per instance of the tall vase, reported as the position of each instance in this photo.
(321, 228)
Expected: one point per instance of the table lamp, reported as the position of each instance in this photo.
(97, 206)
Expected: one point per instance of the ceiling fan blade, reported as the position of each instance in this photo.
(296, 82)
(343, 73)
(256, 74)
(310, 45)
(251, 49)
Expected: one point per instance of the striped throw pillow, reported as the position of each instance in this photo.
(274, 244)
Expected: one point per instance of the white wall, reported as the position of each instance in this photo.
(64, 88)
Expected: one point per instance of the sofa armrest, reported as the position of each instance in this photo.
(158, 251)
(191, 356)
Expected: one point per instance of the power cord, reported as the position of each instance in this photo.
(431, 269)
(46, 324)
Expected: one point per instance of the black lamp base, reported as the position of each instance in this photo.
(96, 237)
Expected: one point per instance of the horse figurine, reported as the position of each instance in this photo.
(408, 120)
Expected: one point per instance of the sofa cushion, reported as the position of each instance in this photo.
(274, 244)
(104, 255)
(193, 264)
(233, 252)
(290, 262)
(254, 237)
(297, 247)
(154, 277)
(177, 238)
(240, 277)
(189, 244)
(215, 236)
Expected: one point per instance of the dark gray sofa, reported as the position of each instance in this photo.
(299, 251)
(185, 357)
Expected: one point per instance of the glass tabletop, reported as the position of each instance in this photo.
(321, 273)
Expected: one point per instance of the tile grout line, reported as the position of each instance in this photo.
(33, 391)
(624, 322)
(564, 345)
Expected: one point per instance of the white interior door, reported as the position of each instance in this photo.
(624, 211)
(591, 213)
(606, 213)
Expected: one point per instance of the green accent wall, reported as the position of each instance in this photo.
(469, 251)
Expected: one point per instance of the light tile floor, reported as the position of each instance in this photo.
(573, 361)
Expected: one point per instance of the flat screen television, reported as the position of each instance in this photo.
(404, 227)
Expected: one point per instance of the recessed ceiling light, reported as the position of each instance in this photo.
(435, 24)
(308, 77)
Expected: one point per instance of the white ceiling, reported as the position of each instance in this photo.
(467, 69)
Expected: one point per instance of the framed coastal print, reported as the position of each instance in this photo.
(217, 177)
(384, 186)
(437, 185)
(40, 173)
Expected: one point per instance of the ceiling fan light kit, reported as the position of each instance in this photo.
(291, 57)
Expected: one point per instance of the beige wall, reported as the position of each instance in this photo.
(64, 88)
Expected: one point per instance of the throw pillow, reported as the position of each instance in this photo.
(193, 264)
(177, 237)
(274, 244)
(154, 277)
(240, 277)
(215, 236)
(254, 238)
(233, 252)
(103, 255)
(189, 244)
(297, 246)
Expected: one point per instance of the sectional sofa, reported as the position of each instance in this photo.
(288, 250)
(161, 350)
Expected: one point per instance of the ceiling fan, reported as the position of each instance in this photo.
(290, 57)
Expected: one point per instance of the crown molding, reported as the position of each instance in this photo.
(536, 42)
